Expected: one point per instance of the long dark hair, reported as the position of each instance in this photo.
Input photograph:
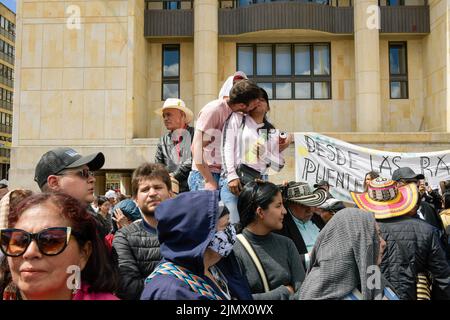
(99, 272)
(267, 125)
(255, 194)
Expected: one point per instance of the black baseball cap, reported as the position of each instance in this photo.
(321, 184)
(56, 160)
(406, 173)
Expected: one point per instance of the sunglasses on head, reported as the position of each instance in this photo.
(51, 241)
(84, 173)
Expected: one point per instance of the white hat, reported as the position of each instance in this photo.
(174, 103)
(4, 182)
(111, 194)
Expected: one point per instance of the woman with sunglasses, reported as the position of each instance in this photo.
(261, 211)
(54, 252)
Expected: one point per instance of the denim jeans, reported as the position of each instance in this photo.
(230, 200)
(197, 182)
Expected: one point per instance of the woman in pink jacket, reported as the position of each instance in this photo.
(54, 253)
(250, 143)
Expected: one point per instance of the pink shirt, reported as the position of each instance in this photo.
(238, 144)
(210, 122)
(83, 294)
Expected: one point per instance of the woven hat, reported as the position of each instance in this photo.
(300, 192)
(174, 103)
(385, 199)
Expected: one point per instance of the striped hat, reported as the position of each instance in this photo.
(385, 199)
(300, 192)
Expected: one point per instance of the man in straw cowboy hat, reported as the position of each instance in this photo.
(412, 244)
(300, 224)
(174, 148)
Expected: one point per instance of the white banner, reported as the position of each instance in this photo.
(344, 165)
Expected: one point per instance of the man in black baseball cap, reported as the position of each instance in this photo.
(65, 170)
(406, 175)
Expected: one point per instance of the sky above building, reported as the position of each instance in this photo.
(11, 4)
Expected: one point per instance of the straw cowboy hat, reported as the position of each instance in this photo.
(386, 200)
(174, 103)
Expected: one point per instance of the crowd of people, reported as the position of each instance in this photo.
(204, 223)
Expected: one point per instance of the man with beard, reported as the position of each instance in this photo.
(136, 246)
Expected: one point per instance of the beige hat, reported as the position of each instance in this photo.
(174, 103)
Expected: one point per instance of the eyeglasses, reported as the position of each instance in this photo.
(84, 174)
(51, 241)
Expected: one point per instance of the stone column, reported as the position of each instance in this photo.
(100, 183)
(367, 66)
(206, 30)
(125, 183)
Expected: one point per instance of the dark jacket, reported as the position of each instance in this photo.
(291, 231)
(432, 217)
(186, 226)
(176, 155)
(103, 227)
(136, 249)
(413, 247)
(433, 198)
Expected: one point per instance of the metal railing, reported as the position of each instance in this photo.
(6, 81)
(8, 35)
(6, 105)
(6, 129)
(7, 58)
(231, 4)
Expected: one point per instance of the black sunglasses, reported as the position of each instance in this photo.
(84, 174)
(51, 241)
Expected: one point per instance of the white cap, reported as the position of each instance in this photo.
(111, 194)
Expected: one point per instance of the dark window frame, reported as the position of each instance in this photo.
(292, 78)
(166, 5)
(398, 77)
(170, 80)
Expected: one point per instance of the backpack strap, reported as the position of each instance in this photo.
(196, 283)
(255, 260)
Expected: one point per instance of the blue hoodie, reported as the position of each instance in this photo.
(186, 226)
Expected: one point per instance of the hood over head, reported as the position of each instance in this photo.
(186, 226)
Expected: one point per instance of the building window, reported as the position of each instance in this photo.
(6, 72)
(6, 95)
(7, 49)
(7, 25)
(288, 71)
(171, 71)
(172, 5)
(5, 122)
(398, 70)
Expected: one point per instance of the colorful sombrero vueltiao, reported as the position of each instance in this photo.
(385, 200)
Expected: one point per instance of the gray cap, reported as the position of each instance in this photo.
(56, 160)
(4, 183)
(406, 173)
